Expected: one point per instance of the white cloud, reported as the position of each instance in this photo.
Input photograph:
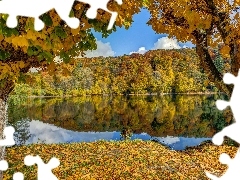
(168, 140)
(103, 49)
(162, 43)
(141, 50)
(48, 133)
(166, 43)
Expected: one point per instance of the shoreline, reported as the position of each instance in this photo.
(147, 94)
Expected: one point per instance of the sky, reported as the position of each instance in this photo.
(47, 133)
(138, 38)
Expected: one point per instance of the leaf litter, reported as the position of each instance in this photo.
(129, 159)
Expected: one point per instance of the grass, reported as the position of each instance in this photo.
(135, 159)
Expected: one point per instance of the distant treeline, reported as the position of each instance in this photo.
(157, 71)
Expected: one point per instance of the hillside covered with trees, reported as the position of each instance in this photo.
(157, 71)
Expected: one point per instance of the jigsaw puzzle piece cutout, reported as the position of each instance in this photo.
(221, 104)
(91, 13)
(62, 9)
(3, 165)
(28, 8)
(44, 170)
(9, 138)
(234, 102)
(233, 172)
(235, 98)
(18, 176)
(231, 131)
(229, 78)
(38, 24)
(95, 5)
(12, 21)
(35, 9)
(112, 20)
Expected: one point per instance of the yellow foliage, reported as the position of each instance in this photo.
(225, 51)
(121, 160)
(20, 41)
(75, 31)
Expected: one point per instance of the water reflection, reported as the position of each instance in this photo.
(179, 122)
(39, 132)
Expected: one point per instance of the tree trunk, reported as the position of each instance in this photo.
(235, 56)
(212, 71)
(3, 121)
(7, 87)
(222, 24)
(207, 63)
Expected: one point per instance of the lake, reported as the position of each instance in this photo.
(177, 121)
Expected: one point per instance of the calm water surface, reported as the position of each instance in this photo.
(176, 121)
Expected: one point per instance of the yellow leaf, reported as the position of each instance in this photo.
(20, 41)
(21, 64)
(31, 35)
(236, 16)
(78, 6)
(65, 72)
(225, 50)
(75, 31)
(14, 67)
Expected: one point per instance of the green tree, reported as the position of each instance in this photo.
(206, 23)
(82, 77)
(22, 47)
(158, 71)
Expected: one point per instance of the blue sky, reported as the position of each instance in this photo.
(47, 133)
(126, 41)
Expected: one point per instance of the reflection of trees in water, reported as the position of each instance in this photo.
(220, 119)
(126, 133)
(22, 131)
(194, 116)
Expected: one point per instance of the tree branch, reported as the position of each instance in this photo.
(207, 63)
(222, 22)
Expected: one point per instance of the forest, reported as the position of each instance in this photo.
(161, 116)
(155, 72)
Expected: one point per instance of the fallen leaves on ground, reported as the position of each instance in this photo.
(108, 160)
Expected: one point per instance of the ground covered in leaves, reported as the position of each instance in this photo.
(108, 160)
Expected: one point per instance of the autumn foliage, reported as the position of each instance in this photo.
(121, 160)
(206, 23)
(158, 71)
(22, 48)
